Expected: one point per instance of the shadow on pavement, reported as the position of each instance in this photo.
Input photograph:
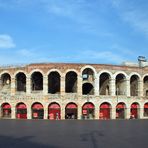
(92, 137)
(24, 142)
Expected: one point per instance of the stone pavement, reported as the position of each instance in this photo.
(73, 134)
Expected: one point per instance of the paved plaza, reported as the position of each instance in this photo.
(73, 134)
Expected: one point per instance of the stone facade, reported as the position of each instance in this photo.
(74, 83)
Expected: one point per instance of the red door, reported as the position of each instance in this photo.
(54, 112)
(134, 110)
(104, 111)
(71, 111)
(21, 111)
(88, 111)
(6, 110)
(37, 111)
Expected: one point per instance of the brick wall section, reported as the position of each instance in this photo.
(64, 66)
(78, 98)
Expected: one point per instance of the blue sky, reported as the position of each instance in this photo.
(75, 31)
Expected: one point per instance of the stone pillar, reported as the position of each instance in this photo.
(112, 87)
(128, 112)
(62, 112)
(29, 112)
(97, 111)
(79, 112)
(113, 113)
(13, 113)
(45, 113)
(141, 113)
(96, 87)
(140, 88)
(62, 89)
(45, 85)
(13, 85)
(28, 85)
(128, 88)
(79, 85)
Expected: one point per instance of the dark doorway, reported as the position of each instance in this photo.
(37, 111)
(71, 111)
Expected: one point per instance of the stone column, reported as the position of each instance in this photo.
(28, 84)
(13, 85)
(128, 113)
(97, 111)
(140, 88)
(62, 112)
(62, 89)
(45, 113)
(45, 85)
(13, 113)
(29, 112)
(79, 85)
(141, 113)
(112, 87)
(79, 112)
(128, 87)
(113, 113)
(96, 87)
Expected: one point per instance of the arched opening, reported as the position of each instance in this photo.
(146, 110)
(21, 82)
(145, 86)
(120, 84)
(105, 111)
(134, 85)
(5, 83)
(71, 82)
(21, 111)
(88, 75)
(134, 111)
(54, 83)
(88, 111)
(37, 111)
(87, 89)
(71, 111)
(6, 110)
(54, 111)
(120, 111)
(37, 81)
(104, 84)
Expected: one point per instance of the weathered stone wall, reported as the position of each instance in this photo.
(63, 98)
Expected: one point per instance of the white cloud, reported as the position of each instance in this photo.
(90, 56)
(137, 19)
(25, 52)
(116, 3)
(121, 49)
(6, 41)
(133, 13)
(104, 56)
(14, 4)
(75, 10)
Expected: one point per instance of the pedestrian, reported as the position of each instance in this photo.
(57, 116)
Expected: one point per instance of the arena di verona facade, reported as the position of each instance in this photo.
(57, 91)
